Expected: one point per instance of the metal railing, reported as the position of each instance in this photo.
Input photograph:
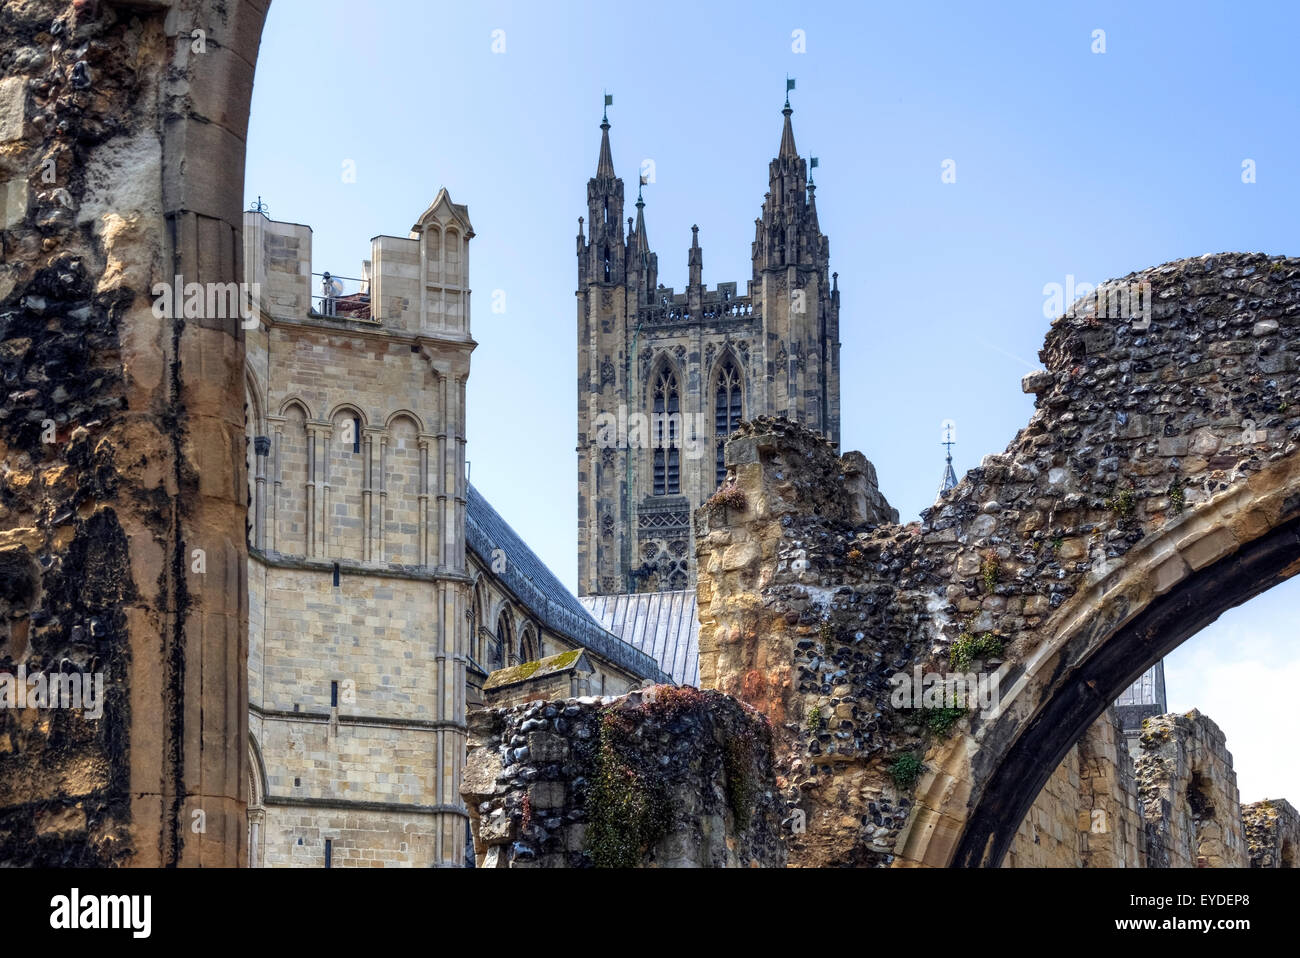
(341, 297)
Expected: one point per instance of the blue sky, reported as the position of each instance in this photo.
(1068, 162)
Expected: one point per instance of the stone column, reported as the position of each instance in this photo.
(261, 449)
(276, 425)
(428, 549)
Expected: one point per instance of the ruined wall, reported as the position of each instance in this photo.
(1087, 814)
(1188, 790)
(665, 777)
(122, 496)
(1272, 833)
(1158, 464)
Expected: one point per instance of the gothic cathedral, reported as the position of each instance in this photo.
(664, 377)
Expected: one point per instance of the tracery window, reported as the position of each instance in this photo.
(727, 409)
(667, 426)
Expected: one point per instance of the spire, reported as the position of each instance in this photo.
(949, 477)
(787, 150)
(605, 165)
(695, 260)
(642, 242)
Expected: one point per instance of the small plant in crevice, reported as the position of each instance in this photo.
(1177, 495)
(813, 723)
(1122, 502)
(824, 630)
(906, 769)
(968, 647)
(990, 569)
(527, 816)
(729, 496)
(941, 721)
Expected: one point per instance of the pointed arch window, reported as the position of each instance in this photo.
(503, 643)
(727, 411)
(667, 428)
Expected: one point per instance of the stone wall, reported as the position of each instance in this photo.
(122, 499)
(1272, 833)
(1087, 814)
(358, 568)
(665, 777)
(1188, 790)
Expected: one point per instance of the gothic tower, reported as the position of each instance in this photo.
(664, 377)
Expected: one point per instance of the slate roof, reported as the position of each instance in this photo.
(661, 624)
(543, 595)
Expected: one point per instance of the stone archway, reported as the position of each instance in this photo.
(122, 163)
(1156, 485)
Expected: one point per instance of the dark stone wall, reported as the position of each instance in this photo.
(665, 777)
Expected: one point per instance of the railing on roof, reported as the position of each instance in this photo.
(665, 313)
(342, 297)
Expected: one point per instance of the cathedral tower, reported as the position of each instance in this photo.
(664, 377)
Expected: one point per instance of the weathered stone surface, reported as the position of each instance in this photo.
(120, 434)
(1162, 460)
(666, 777)
(1188, 790)
(1272, 833)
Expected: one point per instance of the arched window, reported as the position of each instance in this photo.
(477, 628)
(504, 641)
(528, 650)
(726, 411)
(667, 433)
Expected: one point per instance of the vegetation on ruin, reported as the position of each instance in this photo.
(742, 784)
(906, 770)
(1123, 503)
(729, 496)
(990, 569)
(941, 721)
(628, 809)
(1177, 495)
(814, 720)
(968, 647)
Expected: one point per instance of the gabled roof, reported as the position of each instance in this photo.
(542, 594)
(449, 210)
(661, 624)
